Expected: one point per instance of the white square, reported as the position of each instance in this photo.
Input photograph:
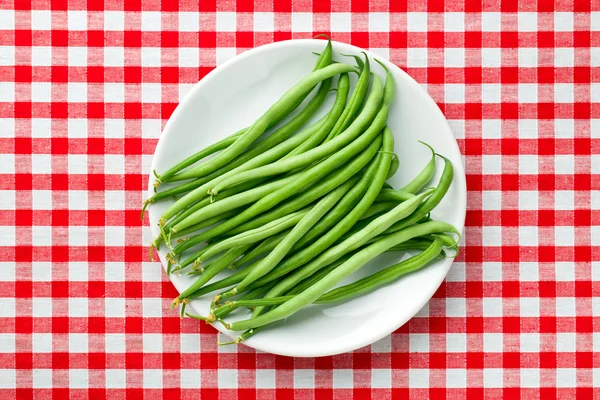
(492, 236)
(151, 21)
(41, 20)
(41, 342)
(152, 378)
(416, 22)
(383, 345)
(528, 200)
(265, 379)
(114, 272)
(528, 236)
(418, 378)
(454, 57)
(493, 378)
(564, 93)
(42, 307)
(491, 164)
(343, 378)
(454, 22)
(7, 307)
(226, 22)
(563, 22)
(595, 89)
(189, 343)
(189, 22)
(491, 93)
(77, 56)
(192, 379)
(564, 57)
(456, 378)
(381, 378)
(115, 93)
(150, 57)
(41, 271)
(40, 163)
(566, 342)
(41, 92)
(77, 128)
(528, 92)
(456, 307)
(530, 342)
(419, 342)
(7, 55)
(528, 57)
(7, 127)
(223, 54)
(78, 307)
(114, 57)
(379, 22)
(151, 129)
(114, 307)
(78, 342)
(114, 200)
(151, 93)
(457, 126)
(454, 93)
(116, 378)
(491, 200)
(528, 271)
(7, 92)
(78, 271)
(528, 128)
(188, 57)
(9, 379)
(77, 92)
(416, 57)
(564, 128)
(78, 200)
(7, 271)
(564, 235)
(528, 164)
(7, 20)
(7, 342)
(77, 163)
(114, 21)
(490, 22)
(304, 378)
(42, 199)
(491, 128)
(302, 22)
(491, 57)
(184, 89)
(41, 235)
(529, 307)
(456, 342)
(492, 271)
(595, 234)
(530, 377)
(596, 341)
(566, 377)
(78, 235)
(114, 128)
(263, 22)
(492, 342)
(565, 307)
(152, 307)
(151, 272)
(595, 21)
(115, 343)
(227, 378)
(114, 164)
(341, 22)
(77, 20)
(42, 378)
(492, 307)
(152, 342)
(594, 57)
(527, 22)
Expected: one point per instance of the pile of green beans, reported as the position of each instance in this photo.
(294, 208)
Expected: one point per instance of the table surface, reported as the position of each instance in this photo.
(84, 94)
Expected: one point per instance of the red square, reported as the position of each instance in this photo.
(474, 289)
(24, 360)
(511, 360)
(360, 6)
(546, 146)
(23, 37)
(23, 145)
(546, 110)
(133, 110)
(132, 38)
(95, 110)
(95, 74)
(96, 254)
(171, 360)
(546, 217)
(510, 147)
(475, 325)
(279, 36)
(169, 38)
(96, 289)
(97, 325)
(95, 38)
(510, 182)
(133, 290)
(584, 324)
(59, 109)
(475, 360)
(134, 360)
(96, 218)
(473, 40)
(60, 217)
(96, 360)
(134, 325)
(361, 361)
(171, 325)
(437, 360)
(582, 39)
(95, 146)
(398, 40)
(134, 182)
(546, 254)
(473, 111)
(582, 110)
(282, 362)
(399, 6)
(509, 217)
(509, 6)
(582, 217)
(583, 146)
(59, 5)
(22, 109)
(60, 254)
(360, 39)
(23, 289)
(584, 359)
(59, 38)
(244, 39)
(24, 217)
(207, 39)
(473, 6)
(60, 325)
(510, 254)
(509, 74)
(546, 182)
(435, 6)
(167, 109)
(435, 75)
(547, 289)
(545, 39)
(547, 325)
(582, 5)
(60, 74)
(248, 361)
(318, 6)
(132, 5)
(60, 289)
(59, 146)
(60, 182)
(509, 40)
(474, 254)
(545, 74)
(23, 73)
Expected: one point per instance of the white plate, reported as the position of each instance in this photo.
(232, 97)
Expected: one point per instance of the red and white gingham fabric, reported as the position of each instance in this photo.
(85, 89)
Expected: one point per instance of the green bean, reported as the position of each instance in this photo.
(352, 132)
(394, 167)
(393, 195)
(378, 208)
(307, 222)
(423, 177)
(209, 273)
(390, 85)
(258, 234)
(354, 263)
(301, 180)
(263, 247)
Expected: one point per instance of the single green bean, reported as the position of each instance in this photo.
(393, 195)
(423, 177)
(378, 208)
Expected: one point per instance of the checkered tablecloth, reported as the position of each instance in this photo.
(85, 89)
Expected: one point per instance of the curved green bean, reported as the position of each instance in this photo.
(423, 177)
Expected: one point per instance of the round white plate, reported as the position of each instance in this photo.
(232, 97)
